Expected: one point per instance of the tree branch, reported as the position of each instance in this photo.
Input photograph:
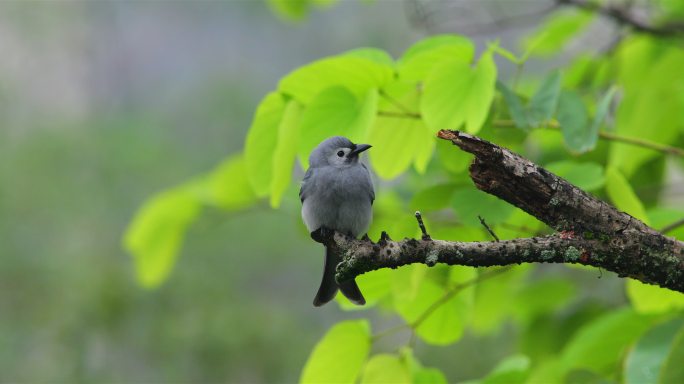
(591, 232)
(622, 16)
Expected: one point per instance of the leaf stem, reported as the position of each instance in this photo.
(389, 331)
(405, 115)
(518, 72)
(673, 226)
(451, 292)
(642, 143)
(396, 103)
(553, 125)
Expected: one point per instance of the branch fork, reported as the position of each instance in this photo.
(590, 231)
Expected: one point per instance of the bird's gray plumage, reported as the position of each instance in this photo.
(337, 193)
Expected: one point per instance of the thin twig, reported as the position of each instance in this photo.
(484, 224)
(516, 77)
(452, 292)
(434, 306)
(553, 125)
(419, 218)
(643, 143)
(673, 226)
(622, 16)
(467, 21)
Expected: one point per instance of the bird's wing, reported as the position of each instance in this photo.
(370, 184)
(306, 184)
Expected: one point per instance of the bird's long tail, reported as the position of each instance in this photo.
(329, 286)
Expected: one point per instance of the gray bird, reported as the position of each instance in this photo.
(337, 194)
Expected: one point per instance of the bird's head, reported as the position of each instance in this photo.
(336, 151)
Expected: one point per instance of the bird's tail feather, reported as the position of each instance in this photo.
(329, 287)
(352, 292)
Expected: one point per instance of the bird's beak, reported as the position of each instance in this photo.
(358, 149)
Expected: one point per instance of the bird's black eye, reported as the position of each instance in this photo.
(340, 153)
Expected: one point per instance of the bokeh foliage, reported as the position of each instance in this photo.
(559, 119)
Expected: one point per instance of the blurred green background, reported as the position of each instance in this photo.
(105, 104)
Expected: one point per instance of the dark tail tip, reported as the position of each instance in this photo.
(352, 292)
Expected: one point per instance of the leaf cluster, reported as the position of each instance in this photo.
(601, 122)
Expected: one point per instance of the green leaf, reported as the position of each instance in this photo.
(445, 324)
(495, 299)
(542, 297)
(397, 142)
(407, 280)
(650, 100)
(285, 151)
(432, 198)
(420, 374)
(365, 119)
(601, 111)
(452, 158)
(469, 202)
(385, 368)
(548, 371)
(391, 215)
(580, 70)
(515, 106)
(663, 216)
(424, 148)
(419, 60)
(556, 31)
(647, 298)
(544, 102)
(377, 55)
(599, 345)
(644, 362)
(481, 93)
(586, 175)
(156, 233)
(375, 285)
(508, 55)
(261, 142)
(357, 74)
(229, 186)
(335, 112)
(292, 10)
(572, 115)
(672, 370)
(323, 3)
(636, 56)
(623, 196)
(512, 370)
(339, 356)
(457, 94)
(429, 376)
